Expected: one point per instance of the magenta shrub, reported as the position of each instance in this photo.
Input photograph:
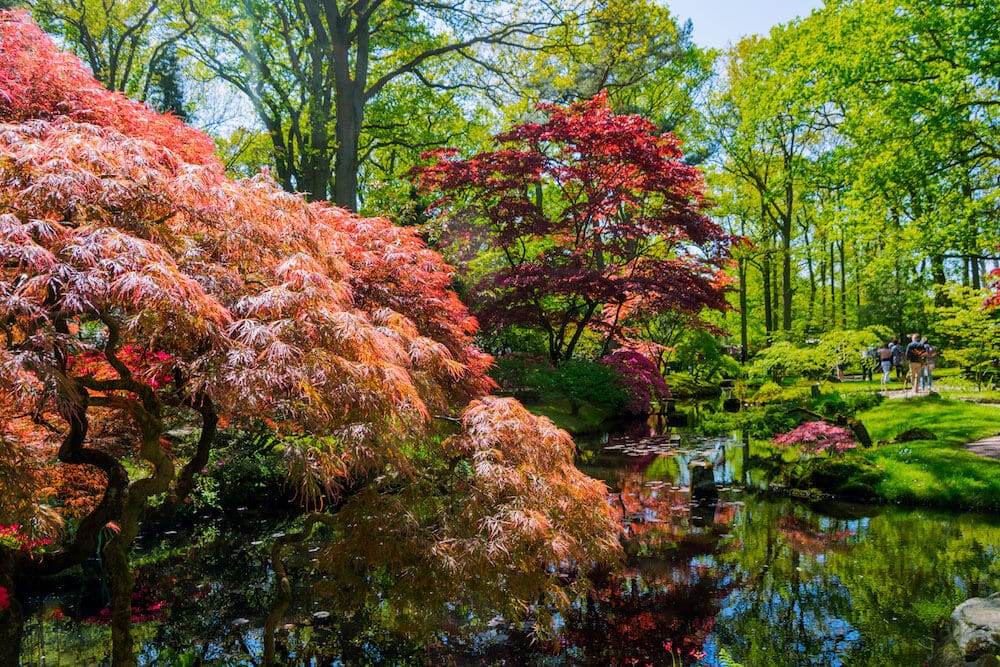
(818, 436)
(640, 378)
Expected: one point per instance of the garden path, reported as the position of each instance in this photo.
(989, 447)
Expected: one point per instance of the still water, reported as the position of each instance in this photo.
(773, 581)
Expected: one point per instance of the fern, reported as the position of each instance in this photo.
(725, 660)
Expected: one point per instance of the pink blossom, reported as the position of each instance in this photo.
(818, 436)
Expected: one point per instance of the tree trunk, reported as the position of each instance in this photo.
(786, 267)
(765, 273)
(350, 115)
(742, 269)
(937, 273)
(812, 276)
(349, 99)
(122, 582)
(822, 284)
(833, 284)
(843, 285)
(776, 291)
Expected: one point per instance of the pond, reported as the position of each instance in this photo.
(773, 581)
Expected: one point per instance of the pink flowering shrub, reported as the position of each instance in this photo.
(640, 378)
(4, 598)
(12, 538)
(817, 437)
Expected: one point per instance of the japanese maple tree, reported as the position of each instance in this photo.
(594, 218)
(142, 291)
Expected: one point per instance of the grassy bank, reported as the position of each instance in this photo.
(934, 472)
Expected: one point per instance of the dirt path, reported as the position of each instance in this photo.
(989, 447)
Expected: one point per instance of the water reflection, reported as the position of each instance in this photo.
(774, 581)
(782, 582)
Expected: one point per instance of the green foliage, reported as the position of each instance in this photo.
(769, 392)
(814, 361)
(935, 472)
(686, 385)
(847, 476)
(725, 660)
(835, 403)
(581, 382)
(240, 472)
(966, 333)
(786, 360)
(515, 370)
(758, 422)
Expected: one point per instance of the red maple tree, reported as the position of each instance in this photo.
(595, 219)
(994, 299)
(142, 291)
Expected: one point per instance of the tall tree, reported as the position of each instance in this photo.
(767, 126)
(595, 220)
(311, 69)
(633, 49)
(126, 43)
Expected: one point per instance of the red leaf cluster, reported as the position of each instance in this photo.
(139, 287)
(594, 214)
(815, 437)
(38, 81)
(640, 377)
(994, 300)
(143, 293)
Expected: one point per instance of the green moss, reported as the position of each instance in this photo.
(850, 478)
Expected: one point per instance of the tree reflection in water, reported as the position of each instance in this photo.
(774, 581)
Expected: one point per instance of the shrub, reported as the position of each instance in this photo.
(581, 382)
(513, 371)
(817, 437)
(685, 385)
(784, 359)
(640, 379)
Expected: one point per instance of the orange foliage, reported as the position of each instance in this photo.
(130, 262)
(39, 81)
(135, 277)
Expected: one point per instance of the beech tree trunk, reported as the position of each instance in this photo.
(765, 273)
(744, 338)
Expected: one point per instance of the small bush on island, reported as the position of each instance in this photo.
(818, 437)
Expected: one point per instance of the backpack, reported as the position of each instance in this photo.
(915, 352)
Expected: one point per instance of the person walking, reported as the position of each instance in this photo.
(915, 357)
(884, 357)
(868, 363)
(927, 370)
(898, 359)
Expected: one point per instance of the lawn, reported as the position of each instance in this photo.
(934, 472)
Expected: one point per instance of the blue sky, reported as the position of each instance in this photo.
(720, 22)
